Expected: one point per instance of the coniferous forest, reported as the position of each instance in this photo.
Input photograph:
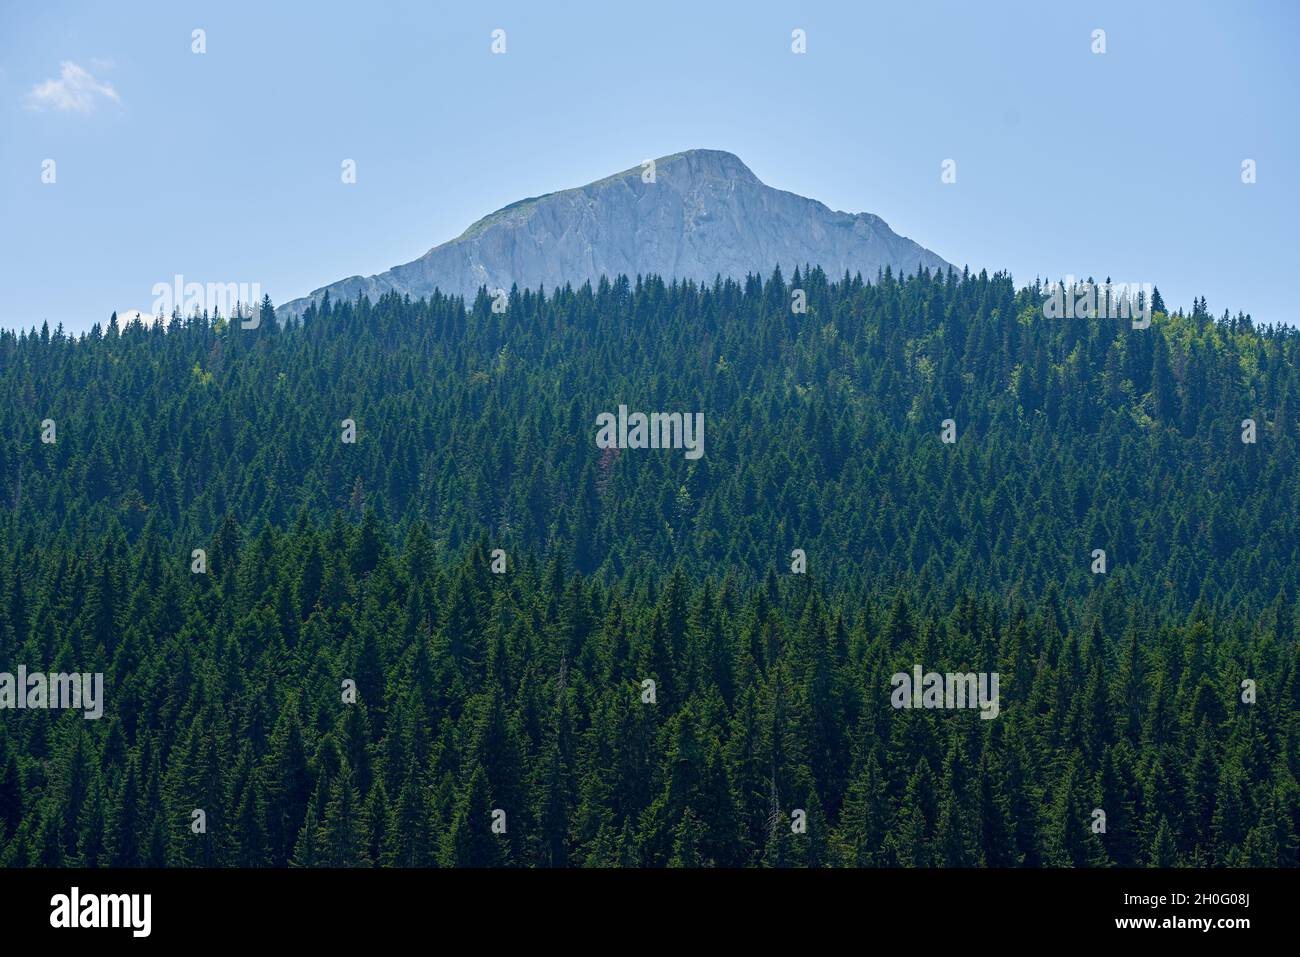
(472, 637)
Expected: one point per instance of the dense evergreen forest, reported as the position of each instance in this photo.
(501, 716)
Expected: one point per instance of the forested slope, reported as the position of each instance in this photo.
(329, 561)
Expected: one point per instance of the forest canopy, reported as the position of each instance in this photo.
(518, 684)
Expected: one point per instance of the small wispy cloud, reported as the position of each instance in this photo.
(74, 91)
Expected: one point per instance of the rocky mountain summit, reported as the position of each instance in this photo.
(703, 214)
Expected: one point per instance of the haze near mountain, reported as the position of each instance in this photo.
(706, 214)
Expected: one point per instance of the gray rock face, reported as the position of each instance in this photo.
(706, 214)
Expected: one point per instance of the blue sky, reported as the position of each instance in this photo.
(225, 166)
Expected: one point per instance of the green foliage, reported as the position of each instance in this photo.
(523, 692)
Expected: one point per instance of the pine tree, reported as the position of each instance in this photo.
(471, 842)
(407, 838)
(343, 840)
(11, 791)
(1163, 852)
(122, 825)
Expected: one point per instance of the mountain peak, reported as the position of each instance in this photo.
(702, 214)
(708, 163)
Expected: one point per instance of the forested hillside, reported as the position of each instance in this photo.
(523, 691)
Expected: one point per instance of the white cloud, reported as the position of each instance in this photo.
(74, 90)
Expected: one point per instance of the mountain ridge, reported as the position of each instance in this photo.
(705, 214)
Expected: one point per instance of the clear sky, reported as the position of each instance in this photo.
(226, 166)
